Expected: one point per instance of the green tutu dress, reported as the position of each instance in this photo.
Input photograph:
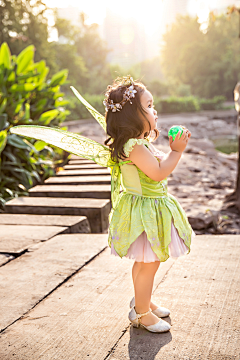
(148, 223)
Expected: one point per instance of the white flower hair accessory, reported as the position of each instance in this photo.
(127, 95)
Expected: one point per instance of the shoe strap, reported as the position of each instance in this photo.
(140, 315)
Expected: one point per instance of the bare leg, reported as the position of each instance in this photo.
(143, 290)
(135, 269)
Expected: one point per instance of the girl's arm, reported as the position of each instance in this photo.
(158, 171)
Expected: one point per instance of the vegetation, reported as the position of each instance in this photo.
(27, 97)
(210, 62)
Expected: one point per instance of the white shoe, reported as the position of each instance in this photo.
(160, 311)
(161, 326)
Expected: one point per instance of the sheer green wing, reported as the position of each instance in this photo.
(71, 142)
(78, 145)
(100, 118)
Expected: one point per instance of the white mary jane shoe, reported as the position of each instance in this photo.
(160, 311)
(161, 326)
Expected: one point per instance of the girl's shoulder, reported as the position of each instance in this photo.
(128, 146)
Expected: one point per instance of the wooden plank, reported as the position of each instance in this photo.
(80, 162)
(79, 180)
(78, 158)
(17, 238)
(68, 324)
(84, 172)
(73, 224)
(27, 279)
(5, 258)
(83, 166)
(72, 191)
(96, 210)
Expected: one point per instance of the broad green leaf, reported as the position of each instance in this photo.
(12, 76)
(3, 105)
(18, 106)
(3, 140)
(40, 145)
(27, 112)
(24, 59)
(23, 87)
(5, 55)
(48, 116)
(59, 78)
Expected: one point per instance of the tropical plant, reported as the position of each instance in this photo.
(27, 97)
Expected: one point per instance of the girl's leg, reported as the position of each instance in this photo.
(135, 269)
(143, 285)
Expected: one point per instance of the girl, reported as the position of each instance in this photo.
(148, 224)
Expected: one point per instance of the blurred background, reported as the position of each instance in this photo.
(186, 51)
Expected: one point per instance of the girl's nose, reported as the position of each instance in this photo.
(155, 112)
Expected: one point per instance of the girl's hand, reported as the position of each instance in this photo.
(180, 143)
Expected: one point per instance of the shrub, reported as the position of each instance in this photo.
(26, 97)
(212, 104)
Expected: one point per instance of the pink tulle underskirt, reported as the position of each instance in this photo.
(140, 249)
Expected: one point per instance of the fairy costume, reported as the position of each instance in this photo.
(145, 220)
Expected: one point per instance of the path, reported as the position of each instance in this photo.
(85, 316)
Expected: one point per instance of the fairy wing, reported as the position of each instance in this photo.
(71, 142)
(78, 145)
(99, 117)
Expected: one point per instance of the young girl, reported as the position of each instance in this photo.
(148, 224)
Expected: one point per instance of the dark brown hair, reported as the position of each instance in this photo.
(127, 123)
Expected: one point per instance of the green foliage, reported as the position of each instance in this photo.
(177, 104)
(212, 104)
(24, 23)
(209, 63)
(27, 97)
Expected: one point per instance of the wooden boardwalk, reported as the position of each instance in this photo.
(64, 297)
(73, 303)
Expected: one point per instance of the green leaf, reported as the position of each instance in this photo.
(40, 145)
(23, 87)
(48, 116)
(16, 141)
(59, 78)
(3, 140)
(3, 105)
(5, 55)
(24, 59)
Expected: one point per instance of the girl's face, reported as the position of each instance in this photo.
(147, 104)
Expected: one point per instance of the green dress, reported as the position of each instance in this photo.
(145, 205)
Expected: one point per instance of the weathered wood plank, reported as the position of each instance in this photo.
(27, 279)
(83, 166)
(96, 210)
(84, 172)
(73, 224)
(72, 191)
(91, 306)
(79, 180)
(17, 238)
(80, 162)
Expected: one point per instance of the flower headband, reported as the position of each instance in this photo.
(127, 95)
